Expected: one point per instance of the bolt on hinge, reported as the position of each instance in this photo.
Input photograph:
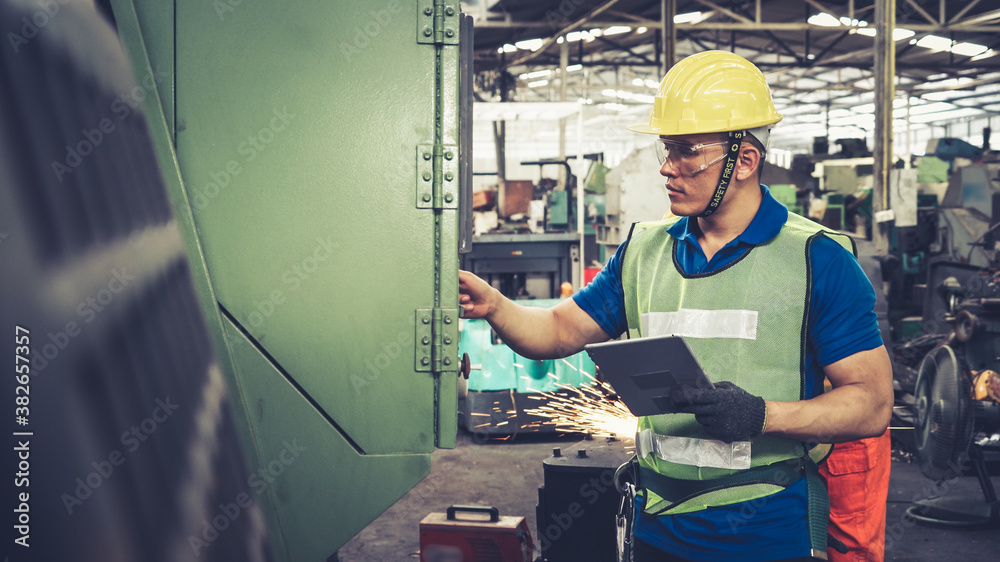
(437, 176)
(436, 346)
(437, 22)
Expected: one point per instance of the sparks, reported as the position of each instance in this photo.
(590, 408)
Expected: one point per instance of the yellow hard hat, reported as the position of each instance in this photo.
(711, 92)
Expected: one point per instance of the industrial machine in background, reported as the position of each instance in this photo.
(324, 208)
(528, 265)
(559, 207)
(955, 429)
(527, 241)
(956, 401)
(634, 192)
(505, 384)
(946, 335)
(948, 231)
(531, 253)
(833, 189)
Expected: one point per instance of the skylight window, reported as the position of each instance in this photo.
(617, 29)
(690, 17)
(900, 33)
(529, 44)
(968, 49)
(535, 74)
(579, 36)
(824, 19)
(934, 42)
(861, 26)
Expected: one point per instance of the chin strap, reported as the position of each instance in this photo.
(735, 140)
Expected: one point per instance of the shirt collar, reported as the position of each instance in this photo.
(766, 224)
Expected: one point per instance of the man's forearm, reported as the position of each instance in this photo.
(842, 414)
(859, 405)
(529, 331)
(536, 333)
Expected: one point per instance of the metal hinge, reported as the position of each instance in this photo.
(437, 340)
(437, 22)
(437, 176)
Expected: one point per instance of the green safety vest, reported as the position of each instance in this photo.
(746, 323)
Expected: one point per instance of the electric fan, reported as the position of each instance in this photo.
(947, 419)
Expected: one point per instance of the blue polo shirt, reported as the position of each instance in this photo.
(842, 322)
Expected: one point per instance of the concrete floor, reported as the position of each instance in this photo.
(910, 542)
(507, 474)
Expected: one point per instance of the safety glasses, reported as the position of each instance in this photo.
(690, 159)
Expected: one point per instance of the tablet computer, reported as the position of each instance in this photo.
(644, 371)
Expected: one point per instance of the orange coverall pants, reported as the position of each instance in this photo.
(857, 477)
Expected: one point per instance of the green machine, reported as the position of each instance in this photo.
(316, 154)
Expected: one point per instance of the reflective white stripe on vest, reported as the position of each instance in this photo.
(694, 452)
(691, 323)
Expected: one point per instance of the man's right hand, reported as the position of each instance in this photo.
(476, 296)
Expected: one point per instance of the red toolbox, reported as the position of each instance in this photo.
(474, 533)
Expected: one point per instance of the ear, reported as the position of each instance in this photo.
(747, 161)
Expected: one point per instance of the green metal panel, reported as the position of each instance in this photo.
(310, 243)
(161, 132)
(156, 21)
(315, 474)
(298, 178)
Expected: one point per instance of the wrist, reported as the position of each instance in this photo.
(775, 416)
(763, 427)
(495, 302)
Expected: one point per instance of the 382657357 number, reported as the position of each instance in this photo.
(22, 373)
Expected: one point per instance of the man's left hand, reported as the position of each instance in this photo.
(727, 412)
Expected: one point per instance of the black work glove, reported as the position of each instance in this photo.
(727, 412)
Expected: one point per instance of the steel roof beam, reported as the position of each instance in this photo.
(729, 13)
(983, 17)
(802, 26)
(969, 26)
(498, 24)
(578, 23)
(923, 12)
(963, 11)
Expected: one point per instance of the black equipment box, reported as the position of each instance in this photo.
(578, 502)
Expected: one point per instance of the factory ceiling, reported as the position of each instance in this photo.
(817, 54)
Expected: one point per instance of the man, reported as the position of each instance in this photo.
(769, 302)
